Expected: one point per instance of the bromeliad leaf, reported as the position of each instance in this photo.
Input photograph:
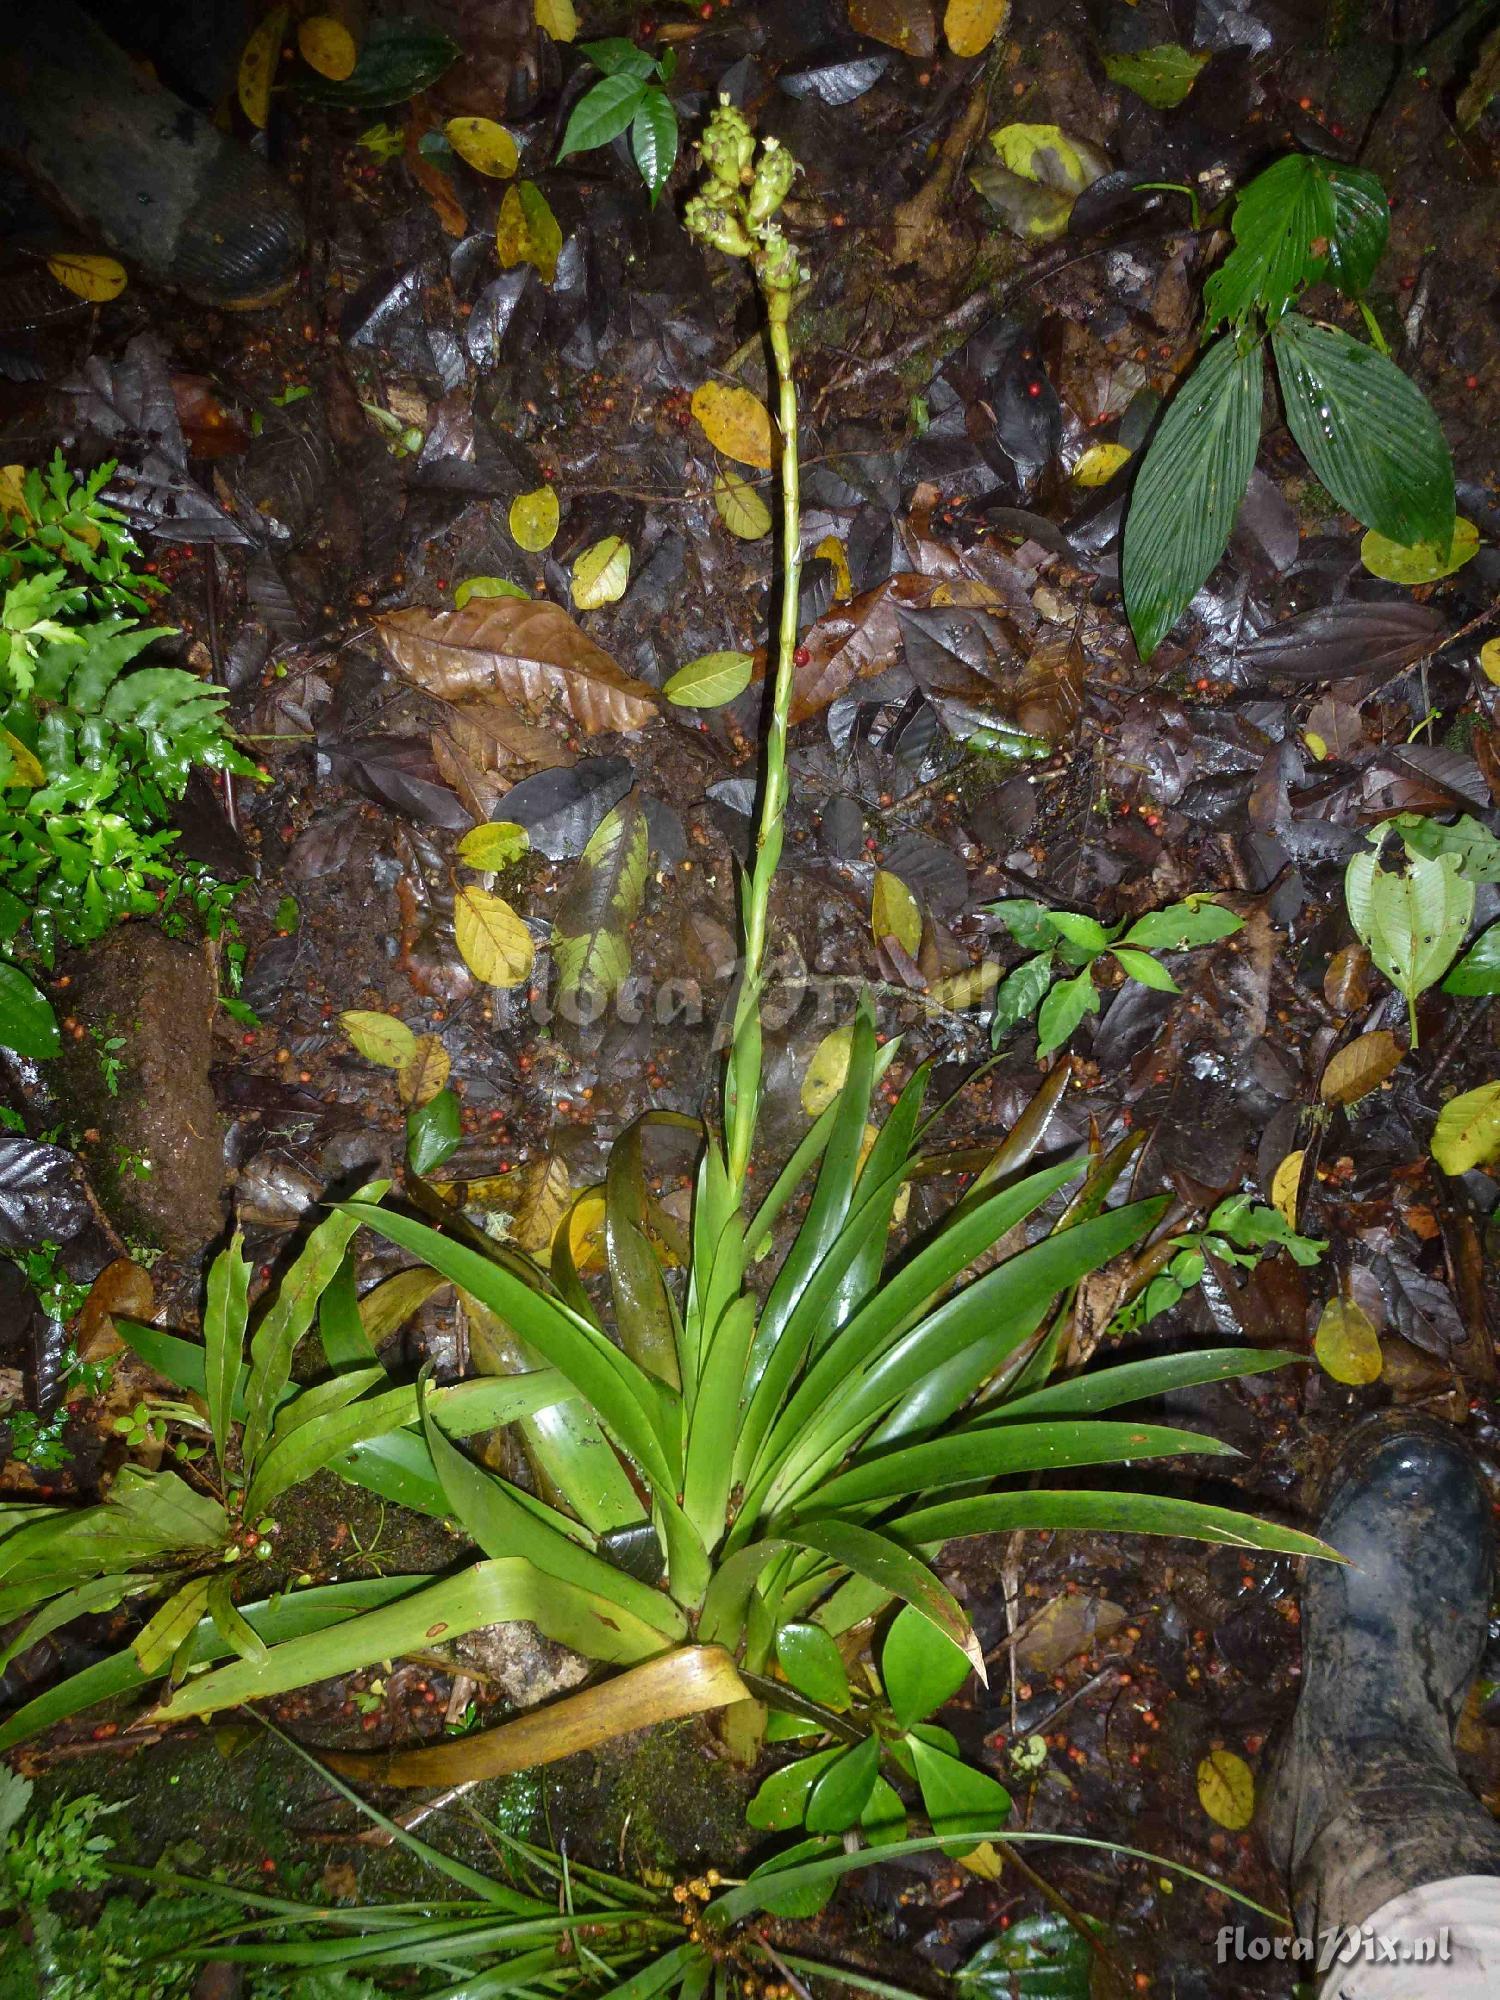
(1369, 434)
(1189, 490)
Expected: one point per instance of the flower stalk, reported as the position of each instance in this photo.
(735, 211)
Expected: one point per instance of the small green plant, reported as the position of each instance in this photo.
(1477, 853)
(855, 1783)
(1366, 430)
(94, 750)
(1065, 938)
(1239, 1231)
(630, 95)
(111, 1062)
(1413, 919)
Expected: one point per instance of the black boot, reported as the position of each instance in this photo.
(137, 166)
(1366, 1800)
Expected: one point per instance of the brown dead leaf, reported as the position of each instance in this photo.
(849, 643)
(907, 25)
(121, 1287)
(486, 748)
(528, 651)
(1069, 1625)
(1346, 983)
(1359, 1067)
(431, 179)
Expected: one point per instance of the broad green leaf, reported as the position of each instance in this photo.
(740, 508)
(602, 114)
(591, 932)
(1025, 920)
(601, 574)
(1283, 223)
(897, 1572)
(175, 1623)
(1367, 431)
(379, 1038)
(433, 1132)
(494, 845)
(616, 56)
(287, 1319)
(1361, 227)
(534, 519)
(487, 1593)
(1467, 1133)
(842, 1792)
(1162, 75)
(1142, 966)
(1477, 849)
(1044, 1957)
(1085, 932)
(27, 1022)
(814, 1665)
(1411, 923)
(1181, 925)
(1478, 971)
(1187, 492)
(1019, 994)
(1420, 562)
(1064, 1007)
(225, 1317)
(958, 1798)
(920, 1667)
(653, 139)
(711, 680)
(782, 1799)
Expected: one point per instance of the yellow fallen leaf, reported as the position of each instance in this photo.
(24, 767)
(258, 60)
(557, 18)
(527, 232)
(740, 507)
(483, 145)
(540, 1201)
(492, 940)
(424, 1072)
(328, 46)
(494, 845)
(586, 1231)
(601, 574)
(1285, 1183)
(1359, 1067)
(894, 912)
(1098, 465)
(533, 519)
(1421, 562)
(965, 989)
(13, 491)
(969, 26)
(379, 1038)
(1467, 1133)
(1347, 1345)
(831, 549)
(735, 422)
(1489, 659)
(826, 1072)
(1226, 1789)
(97, 279)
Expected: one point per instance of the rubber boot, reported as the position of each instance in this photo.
(136, 166)
(1365, 1800)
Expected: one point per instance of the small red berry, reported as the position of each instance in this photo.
(801, 657)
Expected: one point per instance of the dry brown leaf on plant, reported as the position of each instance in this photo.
(530, 652)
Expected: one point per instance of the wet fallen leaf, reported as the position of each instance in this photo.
(1467, 1133)
(1360, 1067)
(431, 179)
(969, 26)
(591, 935)
(527, 231)
(97, 279)
(1422, 562)
(257, 68)
(894, 912)
(528, 650)
(965, 989)
(483, 145)
(494, 845)
(487, 586)
(424, 1072)
(1346, 983)
(824, 1077)
(1347, 638)
(1226, 1789)
(735, 422)
(1347, 1345)
(328, 45)
(1489, 660)
(601, 574)
(534, 519)
(1098, 465)
(586, 1231)
(12, 491)
(1162, 75)
(379, 1038)
(908, 25)
(711, 680)
(492, 940)
(25, 768)
(1074, 1623)
(1286, 1184)
(557, 18)
(831, 549)
(121, 1287)
(541, 1200)
(1049, 156)
(740, 507)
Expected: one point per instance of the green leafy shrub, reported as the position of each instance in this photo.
(94, 749)
(630, 95)
(1366, 430)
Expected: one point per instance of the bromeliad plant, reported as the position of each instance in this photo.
(93, 750)
(720, 1463)
(1366, 430)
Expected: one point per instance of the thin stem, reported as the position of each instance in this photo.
(742, 1086)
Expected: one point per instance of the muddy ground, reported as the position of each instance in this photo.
(951, 376)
